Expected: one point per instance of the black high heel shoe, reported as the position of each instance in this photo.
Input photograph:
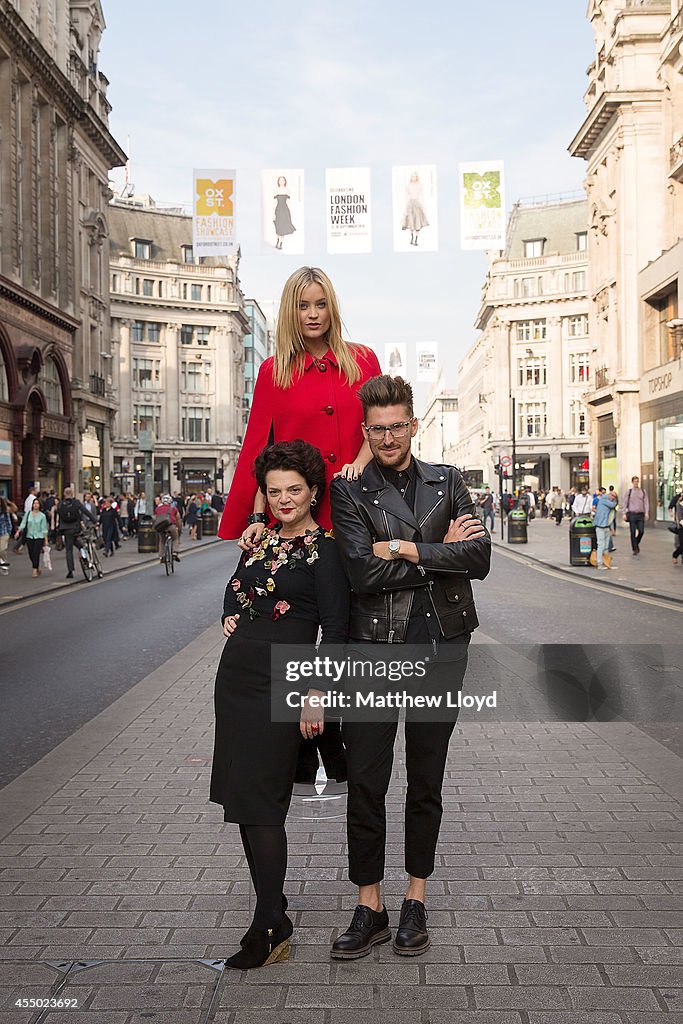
(245, 937)
(263, 946)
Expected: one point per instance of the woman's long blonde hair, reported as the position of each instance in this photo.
(290, 351)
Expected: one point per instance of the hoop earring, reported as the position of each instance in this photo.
(314, 502)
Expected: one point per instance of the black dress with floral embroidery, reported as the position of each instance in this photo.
(282, 592)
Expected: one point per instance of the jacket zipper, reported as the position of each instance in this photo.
(390, 638)
(431, 601)
(423, 521)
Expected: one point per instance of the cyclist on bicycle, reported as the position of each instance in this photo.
(167, 519)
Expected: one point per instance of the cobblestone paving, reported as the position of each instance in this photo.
(556, 898)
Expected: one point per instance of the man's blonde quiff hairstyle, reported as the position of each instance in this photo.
(290, 351)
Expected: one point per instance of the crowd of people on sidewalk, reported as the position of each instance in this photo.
(602, 506)
(46, 523)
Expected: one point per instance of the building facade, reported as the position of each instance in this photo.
(256, 349)
(438, 430)
(178, 328)
(56, 401)
(632, 141)
(530, 367)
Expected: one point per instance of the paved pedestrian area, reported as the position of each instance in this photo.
(650, 572)
(556, 899)
(19, 584)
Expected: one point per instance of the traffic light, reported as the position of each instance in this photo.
(177, 469)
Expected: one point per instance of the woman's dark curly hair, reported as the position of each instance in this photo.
(297, 455)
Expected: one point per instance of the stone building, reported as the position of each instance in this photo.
(178, 327)
(534, 352)
(56, 403)
(632, 140)
(438, 427)
(257, 344)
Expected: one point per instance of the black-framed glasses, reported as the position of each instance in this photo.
(397, 430)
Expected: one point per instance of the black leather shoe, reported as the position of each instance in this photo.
(411, 935)
(245, 937)
(263, 946)
(367, 929)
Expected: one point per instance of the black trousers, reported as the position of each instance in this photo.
(70, 535)
(34, 546)
(636, 522)
(370, 757)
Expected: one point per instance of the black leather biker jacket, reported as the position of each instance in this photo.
(369, 510)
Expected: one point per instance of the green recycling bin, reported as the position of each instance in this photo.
(582, 540)
(517, 527)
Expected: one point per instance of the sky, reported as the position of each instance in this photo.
(368, 83)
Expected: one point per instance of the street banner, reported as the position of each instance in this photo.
(395, 359)
(282, 206)
(415, 213)
(349, 209)
(213, 220)
(426, 352)
(482, 205)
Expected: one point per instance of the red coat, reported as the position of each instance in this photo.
(320, 408)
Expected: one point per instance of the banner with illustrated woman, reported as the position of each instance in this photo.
(415, 214)
(282, 204)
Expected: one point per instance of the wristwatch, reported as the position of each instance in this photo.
(394, 548)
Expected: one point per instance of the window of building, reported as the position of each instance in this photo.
(578, 419)
(50, 384)
(581, 241)
(160, 289)
(192, 377)
(186, 334)
(148, 288)
(579, 367)
(184, 289)
(142, 248)
(666, 307)
(579, 280)
(137, 285)
(532, 371)
(114, 282)
(146, 417)
(203, 335)
(195, 424)
(533, 419)
(137, 331)
(4, 384)
(528, 287)
(533, 248)
(578, 326)
(153, 331)
(188, 253)
(208, 293)
(146, 373)
(196, 293)
(531, 330)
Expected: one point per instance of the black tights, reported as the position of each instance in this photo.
(265, 847)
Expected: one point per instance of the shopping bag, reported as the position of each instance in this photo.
(46, 559)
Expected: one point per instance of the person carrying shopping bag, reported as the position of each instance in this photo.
(33, 528)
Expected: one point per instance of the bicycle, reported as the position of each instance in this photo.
(167, 555)
(87, 555)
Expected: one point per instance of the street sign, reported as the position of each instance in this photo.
(506, 460)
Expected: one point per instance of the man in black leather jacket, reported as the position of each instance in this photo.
(410, 544)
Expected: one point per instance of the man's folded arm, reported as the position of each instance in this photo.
(367, 573)
(470, 556)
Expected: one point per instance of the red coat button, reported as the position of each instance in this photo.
(322, 366)
(331, 457)
(329, 410)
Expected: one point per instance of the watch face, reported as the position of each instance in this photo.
(394, 545)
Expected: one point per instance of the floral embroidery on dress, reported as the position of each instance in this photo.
(275, 552)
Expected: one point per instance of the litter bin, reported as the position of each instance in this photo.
(209, 524)
(148, 540)
(582, 540)
(517, 527)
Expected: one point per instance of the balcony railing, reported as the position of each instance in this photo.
(97, 385)
(676, 160)
(601, 377)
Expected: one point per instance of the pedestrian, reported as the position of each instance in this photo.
(33, 492)
(307, 390)
(556, 505)
(123, 516)
(602, 520)
(507, 504)
(109, 522)
(191, 516)
(132, 521)
(282, 591)
(636, 512)
(410, 546)
(486, 504)
(613, 525)
(7, 529)
(582, 504)
(70, 513)
(140, 505)
(34, 530)
(676, 510)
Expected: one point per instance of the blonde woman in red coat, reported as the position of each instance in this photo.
(307, 390)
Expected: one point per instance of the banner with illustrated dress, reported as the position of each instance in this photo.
(415, 213)
(282, 206)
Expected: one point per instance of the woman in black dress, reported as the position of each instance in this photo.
(281, 591)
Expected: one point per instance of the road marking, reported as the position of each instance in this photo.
(117, 574)
(557, 574)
